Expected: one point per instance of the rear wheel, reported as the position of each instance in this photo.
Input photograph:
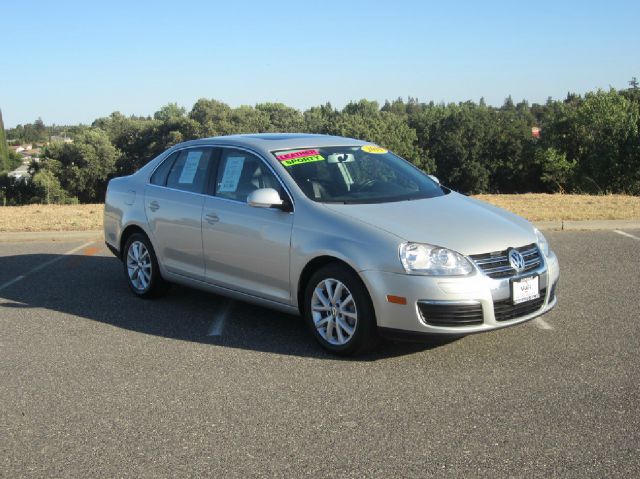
(141, 267)
(339, 312)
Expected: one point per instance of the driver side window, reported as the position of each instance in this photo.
(240, 173)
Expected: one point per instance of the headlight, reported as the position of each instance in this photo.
(543, 244)
(433, 260)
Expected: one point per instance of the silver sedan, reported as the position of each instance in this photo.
(357, 240)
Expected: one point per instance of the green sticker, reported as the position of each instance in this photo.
(305, 159)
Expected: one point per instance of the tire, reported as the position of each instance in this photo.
(141, 267)
(345, 324)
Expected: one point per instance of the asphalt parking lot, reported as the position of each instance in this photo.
(97, 383)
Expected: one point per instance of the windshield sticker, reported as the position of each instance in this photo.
(300, 161)
(297, 154)
(231, 175)
(374, 149)
(190, 167)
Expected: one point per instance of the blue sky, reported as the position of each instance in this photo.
(71, 62)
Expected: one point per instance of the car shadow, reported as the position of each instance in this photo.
(94, 288)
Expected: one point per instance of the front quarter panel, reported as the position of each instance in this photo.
(320, 232)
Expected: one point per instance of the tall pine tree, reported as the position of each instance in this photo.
(4, 149)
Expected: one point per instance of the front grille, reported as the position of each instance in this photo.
(451, 314)
(506, 310)
(496, 264)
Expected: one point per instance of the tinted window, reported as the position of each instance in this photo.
(240, 173)
(189, 171)
(159, 176)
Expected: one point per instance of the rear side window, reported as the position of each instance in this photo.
(159, 176)
(189, 172)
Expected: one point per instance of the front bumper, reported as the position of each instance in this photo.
(453, 291)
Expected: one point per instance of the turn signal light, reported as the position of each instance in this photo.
(396, 299)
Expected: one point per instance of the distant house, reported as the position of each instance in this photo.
(60, 139)
(21, 173)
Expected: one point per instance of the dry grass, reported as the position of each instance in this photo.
(541, 207)
(51, 218)
(534, 207)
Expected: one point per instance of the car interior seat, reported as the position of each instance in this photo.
(310, 185)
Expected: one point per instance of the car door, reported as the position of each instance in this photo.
(174, 199)
(246, 248)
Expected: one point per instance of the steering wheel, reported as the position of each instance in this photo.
(366, 185)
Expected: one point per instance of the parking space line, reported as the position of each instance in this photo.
(627, 235)
(217, 326)
(542, 324)
(44, 265)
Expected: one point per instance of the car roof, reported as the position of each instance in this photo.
(276, 141)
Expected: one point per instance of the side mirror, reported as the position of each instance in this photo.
(265, 198)
(434, 178)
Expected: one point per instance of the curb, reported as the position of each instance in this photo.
(45, 236)
(589, 225)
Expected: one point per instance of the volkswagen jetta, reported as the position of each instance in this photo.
(357, 240)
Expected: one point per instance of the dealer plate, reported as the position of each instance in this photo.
(525, 289)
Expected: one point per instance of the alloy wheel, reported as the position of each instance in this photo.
(139, 266)
(334, 312)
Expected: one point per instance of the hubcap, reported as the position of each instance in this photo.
(139, 265)
(334, 312)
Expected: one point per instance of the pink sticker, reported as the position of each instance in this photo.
(297, 154)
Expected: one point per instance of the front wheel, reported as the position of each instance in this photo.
(141, 267)
(339, 312)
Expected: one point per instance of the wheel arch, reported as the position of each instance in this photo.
(126, 234)
(314, 265)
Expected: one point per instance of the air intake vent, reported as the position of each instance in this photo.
(506, 310)
(454, 314)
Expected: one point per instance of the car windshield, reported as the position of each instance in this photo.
(356, 174)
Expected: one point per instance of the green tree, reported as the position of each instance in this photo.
(84, 166)
(169, 111)
(606, 129)
(40, 130)
(281, 117)
(318, 119)
(16, 191)
(212, 116)
(556, 170)
(247, 119)
(456, 137)
(49, 189)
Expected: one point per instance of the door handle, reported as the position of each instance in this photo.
(154, 206)
(211, 218)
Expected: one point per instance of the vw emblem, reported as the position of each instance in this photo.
(516, 260)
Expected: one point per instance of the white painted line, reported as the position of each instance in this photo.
(9, 283)
(542, 324)
(217, 326)
(626, 234)
(44, 265)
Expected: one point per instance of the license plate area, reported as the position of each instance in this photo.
(525, 289)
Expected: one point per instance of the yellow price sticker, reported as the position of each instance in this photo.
(374, 149)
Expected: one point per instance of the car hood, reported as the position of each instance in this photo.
(452, 221)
